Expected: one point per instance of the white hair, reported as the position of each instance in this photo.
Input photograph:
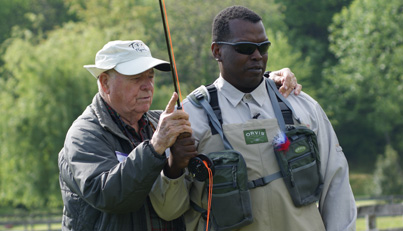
(111, 73)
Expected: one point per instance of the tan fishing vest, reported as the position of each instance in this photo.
(272, 205)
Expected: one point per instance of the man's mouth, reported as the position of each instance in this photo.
(144, 98)
(256, 69)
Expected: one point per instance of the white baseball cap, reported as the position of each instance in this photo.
(127, 58)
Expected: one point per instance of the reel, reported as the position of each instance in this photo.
(197, 167)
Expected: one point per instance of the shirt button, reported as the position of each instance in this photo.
(248, 96)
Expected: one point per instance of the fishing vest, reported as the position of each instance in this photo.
(299, 163)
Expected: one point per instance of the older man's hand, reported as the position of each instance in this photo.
(171, 124)
(287, 80)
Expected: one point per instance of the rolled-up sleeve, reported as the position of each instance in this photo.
(170, 197)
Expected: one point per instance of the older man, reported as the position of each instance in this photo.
(115, 150)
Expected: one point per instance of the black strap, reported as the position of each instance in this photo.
(287, 113)
(212, 90)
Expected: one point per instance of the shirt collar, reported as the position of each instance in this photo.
(234, 96)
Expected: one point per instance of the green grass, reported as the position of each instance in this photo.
(35, 227)
(382, 223)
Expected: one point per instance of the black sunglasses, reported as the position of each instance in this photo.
(247, 48)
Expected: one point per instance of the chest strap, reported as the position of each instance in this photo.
(264, 180)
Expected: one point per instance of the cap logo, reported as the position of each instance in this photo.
(139, 47)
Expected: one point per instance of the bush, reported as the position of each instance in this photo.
(388, 175)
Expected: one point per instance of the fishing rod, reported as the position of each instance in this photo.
(168, 41)
(200, 165)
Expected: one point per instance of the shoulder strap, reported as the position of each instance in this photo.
(286, 112)
(216, 124)
(285, 107)
(282, 108)
(212, 90)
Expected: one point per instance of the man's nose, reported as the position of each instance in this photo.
(256, 55)
(147, 84)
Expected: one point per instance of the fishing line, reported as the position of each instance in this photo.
(210, 192)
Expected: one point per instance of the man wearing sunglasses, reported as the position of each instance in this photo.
(240, 46)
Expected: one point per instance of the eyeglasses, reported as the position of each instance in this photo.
(247, 48)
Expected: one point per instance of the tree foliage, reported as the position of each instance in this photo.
(38, 103)
(36, 15)
(307, 22)
(366, 83)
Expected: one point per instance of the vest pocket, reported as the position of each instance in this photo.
(305, 181)
(300, 166)
(230, 205)
(231, 210)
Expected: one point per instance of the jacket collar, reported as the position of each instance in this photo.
(104, 118)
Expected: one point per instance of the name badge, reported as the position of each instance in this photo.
(121, 156)
(255, 136)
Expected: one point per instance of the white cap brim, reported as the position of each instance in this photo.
(132, 67)
(139, 65)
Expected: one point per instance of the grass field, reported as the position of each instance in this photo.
(382, 223)
(35, 227)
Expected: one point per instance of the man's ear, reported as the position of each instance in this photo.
(216, 50)
(104, 81)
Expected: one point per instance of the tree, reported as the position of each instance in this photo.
(30, 16)
(364, 87)
(307, 21)
(40, 100)
(38, 16)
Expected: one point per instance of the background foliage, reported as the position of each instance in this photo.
(347, 54)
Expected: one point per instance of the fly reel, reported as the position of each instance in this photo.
(197, 166)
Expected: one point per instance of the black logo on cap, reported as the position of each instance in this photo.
(137, 46)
